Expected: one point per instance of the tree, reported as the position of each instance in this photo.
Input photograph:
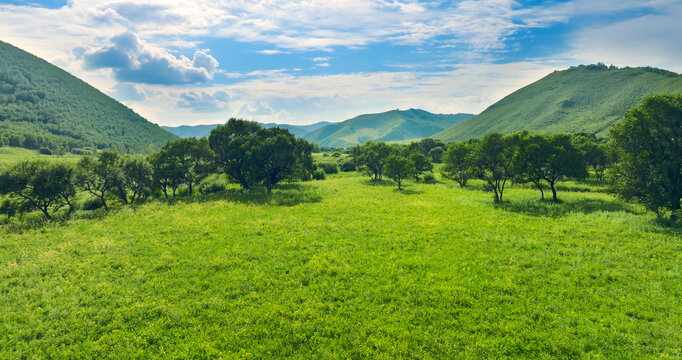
(458, 163)
(193, 157)
(38, 184)
(100, 175)
(231, 143)
(493, 161)
(421, 164)
(436, 155)
(649, 140)
(372, 156)
(398, 168)
(273, 156)
(138, 175)
(166, 172)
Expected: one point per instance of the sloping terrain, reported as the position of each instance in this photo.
(198, 131)
(581, 99)
(42, 105)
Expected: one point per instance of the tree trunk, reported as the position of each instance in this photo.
(44, 210)
(189, 185)
(268, 185)
(551, 185)
(399, 182)
(104, 203)
(542, 193)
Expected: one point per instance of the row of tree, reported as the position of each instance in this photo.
(245, 152)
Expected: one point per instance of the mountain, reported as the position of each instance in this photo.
(42, 105)
(588, 98)
(394, 125)
(204, 130)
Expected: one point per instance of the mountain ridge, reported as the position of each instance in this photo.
(204, 130)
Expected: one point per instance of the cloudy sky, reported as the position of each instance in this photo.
(302, 61)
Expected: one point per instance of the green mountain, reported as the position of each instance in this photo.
(390, 126)
(588, 98)
(198, 131)
(42, 105)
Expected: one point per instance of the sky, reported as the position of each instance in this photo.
(195, 62)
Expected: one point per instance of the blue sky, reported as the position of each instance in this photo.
(301, 61)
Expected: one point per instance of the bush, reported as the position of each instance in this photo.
(45, 151)
(347, 166)
(319, 174)
(336, 154)
(328, 167)
(212, 185)
(91, 203)
(429, 178)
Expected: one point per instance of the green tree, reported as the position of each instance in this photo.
(650, 143)
(167, 173)
(436, 155)
(421, 164)
(138, 176)
(231, 144)
(273, 156)
(41, 185)
(399, 168)
(458, 163)
(193, 157)
(494, 156)
(372, 157)
(100, 175)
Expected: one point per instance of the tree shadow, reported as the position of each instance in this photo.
(548, 208)
(371, 182)
(288, 194)
(408, 191)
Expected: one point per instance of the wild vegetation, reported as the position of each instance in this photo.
(44, 107)
(582, 99)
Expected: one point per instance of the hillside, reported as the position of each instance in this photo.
(581, 99)
(394, 125)
(198, 131)
(42, 105)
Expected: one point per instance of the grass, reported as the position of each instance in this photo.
(342, 269)
(11, 155)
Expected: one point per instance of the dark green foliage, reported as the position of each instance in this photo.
(549, 158)
(139, 178)
(319, 174)
(436, 155)
(39, 185)
(167, 174)
(328, 167)
(394, 125)
(347, 165)
(371, 157)
(429, 178)
(420, 163)
(650, 143)
(399, 168)
(580, 99)
(459, 162)
(42, 106)
(101, 175)
(45, 151)
(194, 159)
(493, 162)
(232, 143)
(212, 184)
(595, 152)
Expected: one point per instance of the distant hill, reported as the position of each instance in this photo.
(42, 105)
(394, 125)
(198, 131)
(588, 98)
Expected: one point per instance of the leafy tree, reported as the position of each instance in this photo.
(231, 143)
(436, 155)
(458, 163)
(273, 156)
(594, 152)
(167, 173)
(100, 175)
(494, 156)
(399, 168)
(650, 143)
(372, 157)
(421, 164)
(138, 175)
(40, 185)
(193, 157)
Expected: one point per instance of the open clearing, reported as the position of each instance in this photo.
(343, 268)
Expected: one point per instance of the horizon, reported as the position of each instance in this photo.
(178, 63)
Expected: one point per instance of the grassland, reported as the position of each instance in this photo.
(11, 155)
(344, 268)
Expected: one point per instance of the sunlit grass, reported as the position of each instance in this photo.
(343, 268)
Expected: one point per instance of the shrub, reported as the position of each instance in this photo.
(429, 178)
(328, 167)
(319, 174)
(91, 203)
(336, 154)
(45, 151)
(347, 166)
(212, 184)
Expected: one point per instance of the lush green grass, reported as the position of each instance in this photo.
(390, 126)
(10, 155)
(583, 99)
(346, 268)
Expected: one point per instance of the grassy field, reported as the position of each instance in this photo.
(11, 155)
(344, 268)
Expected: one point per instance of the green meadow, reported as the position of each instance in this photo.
(11, 155)
(345, 268)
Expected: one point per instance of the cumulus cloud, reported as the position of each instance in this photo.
(204, 102)
(132, 60)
